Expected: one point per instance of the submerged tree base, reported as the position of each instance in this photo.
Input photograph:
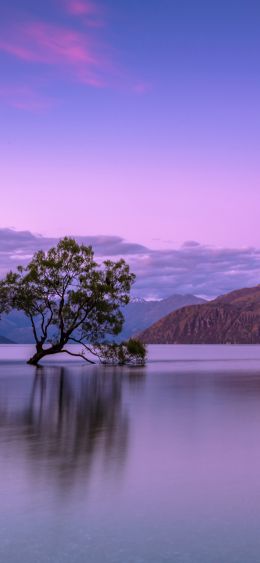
(34, 360)
(132, 352)
(43, 353)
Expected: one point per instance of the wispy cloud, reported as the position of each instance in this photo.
(88, 13)
(193, 268)
(72, 46)
(197, 269)
(67, 49)
(83, 8)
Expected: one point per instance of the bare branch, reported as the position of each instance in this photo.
(77, 355)
(85, 346)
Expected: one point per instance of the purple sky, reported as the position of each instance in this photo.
(131, 119)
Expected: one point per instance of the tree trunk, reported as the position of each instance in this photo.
(35, 359)
(55, 349)
(41, 353)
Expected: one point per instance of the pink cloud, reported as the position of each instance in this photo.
(47, 43)
(75, 53)
(58, 46)
(81, 7)
(90, 14)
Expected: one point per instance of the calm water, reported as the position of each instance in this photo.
(129, 466)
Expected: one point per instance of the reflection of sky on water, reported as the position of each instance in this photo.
(65, 424)
(153, 465)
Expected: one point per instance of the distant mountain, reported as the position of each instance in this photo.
(139, 314)
(16, 327)
(233, 318)
(4, 340)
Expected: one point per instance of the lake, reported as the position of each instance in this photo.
(121, 465)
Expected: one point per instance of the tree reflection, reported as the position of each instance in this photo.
(73, 422)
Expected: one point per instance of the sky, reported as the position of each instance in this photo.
(135, 121)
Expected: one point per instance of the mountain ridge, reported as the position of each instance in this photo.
(140, 315)
(232, 318)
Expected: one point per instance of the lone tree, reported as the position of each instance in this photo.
(69, 298)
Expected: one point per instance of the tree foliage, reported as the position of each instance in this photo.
(131, 352)
(69, 298)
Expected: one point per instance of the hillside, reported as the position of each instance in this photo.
(16, 327)
(233, 318)
(140, 315)
(4, 340)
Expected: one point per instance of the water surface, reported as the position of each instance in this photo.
(154, 465)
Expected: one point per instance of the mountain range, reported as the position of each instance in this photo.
(4, 340)
(139, 314)
(233, 318)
